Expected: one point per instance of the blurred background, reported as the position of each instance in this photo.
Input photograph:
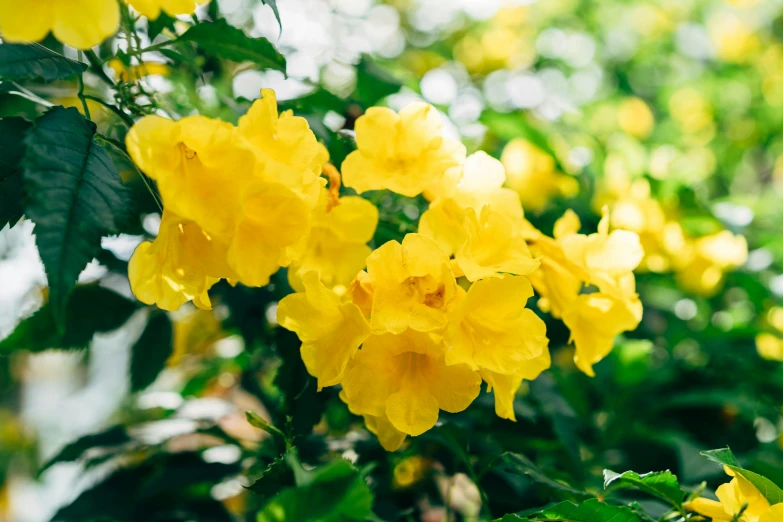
(669, 112)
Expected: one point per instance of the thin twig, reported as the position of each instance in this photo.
(126, 118)
(24, 93)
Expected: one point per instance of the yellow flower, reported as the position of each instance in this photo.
(390, 437)
(594, 321)
(505, 387)
(336, 247)
(731, 499)
(137, 71)
(152, 8)
(476, 184)
(404, 378)
(200, 168)
(491, 329)
(179, 266)
(703, 271)
(79, 23)
(532, 173)
(404, 152)
(272, 218)
(285, 147)
(635, 118)
(330, 330)
(413, 285)
(493, 245)
(769, 346)
(608, 258)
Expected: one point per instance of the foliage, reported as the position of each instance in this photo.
(344, 397)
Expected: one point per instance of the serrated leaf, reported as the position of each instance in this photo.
(663, 484)
(74, 196)
(30, 61)
(12, 132)
(334, 492)
(114, 436)
(591, 510)
(93, 309)
(771, 491)
(233, 44)
(275, 477)
(150, 353)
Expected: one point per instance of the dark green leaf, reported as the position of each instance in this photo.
(27, 62)
(93, 309)
(663, 484)
(518, 463)
(151, 351)
(113, 436)
(157, 26)
(274, 478)
(233, 44)
(12, 132)
(591, 510)
(301, 402)
(74, 196)
(771, 491)
(333, 492)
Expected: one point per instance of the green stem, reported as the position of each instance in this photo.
(81, 96)
(138, 52)
(126, 118)
(96, 66)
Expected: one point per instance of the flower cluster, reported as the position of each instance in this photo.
(738, 501)
(81, 24)
(435, 315)
(699, 263)
(239, 204)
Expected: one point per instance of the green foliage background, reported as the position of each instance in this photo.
(624, 446)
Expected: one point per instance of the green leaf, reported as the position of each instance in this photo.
(93, 309)
(12, 131)
(518, 463)
(114, 436)
(275, 477)
(771, 491)
(233, 44)
(663, 484)
(373, 83)
(592, 510)
(301, 402)
(151, 351)
(74, 196)
(27, 62)
(273, 5)
(334, 492)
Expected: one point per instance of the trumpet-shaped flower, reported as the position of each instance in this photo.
(285, 147)
(413, 286)
(595, 320)
(152, 8)
(490, 329)
(273, 218)
(738, 496)
(493, 245)
(336, 246)
(331, 331)
(531, 172)
(404, 152)
(200, 168)
(79, 23)
(179, 266)
(405, 379)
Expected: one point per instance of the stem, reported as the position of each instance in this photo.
(80, 95)
(96, 66)
(151, 48)
(126, 118)
(24, 93)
